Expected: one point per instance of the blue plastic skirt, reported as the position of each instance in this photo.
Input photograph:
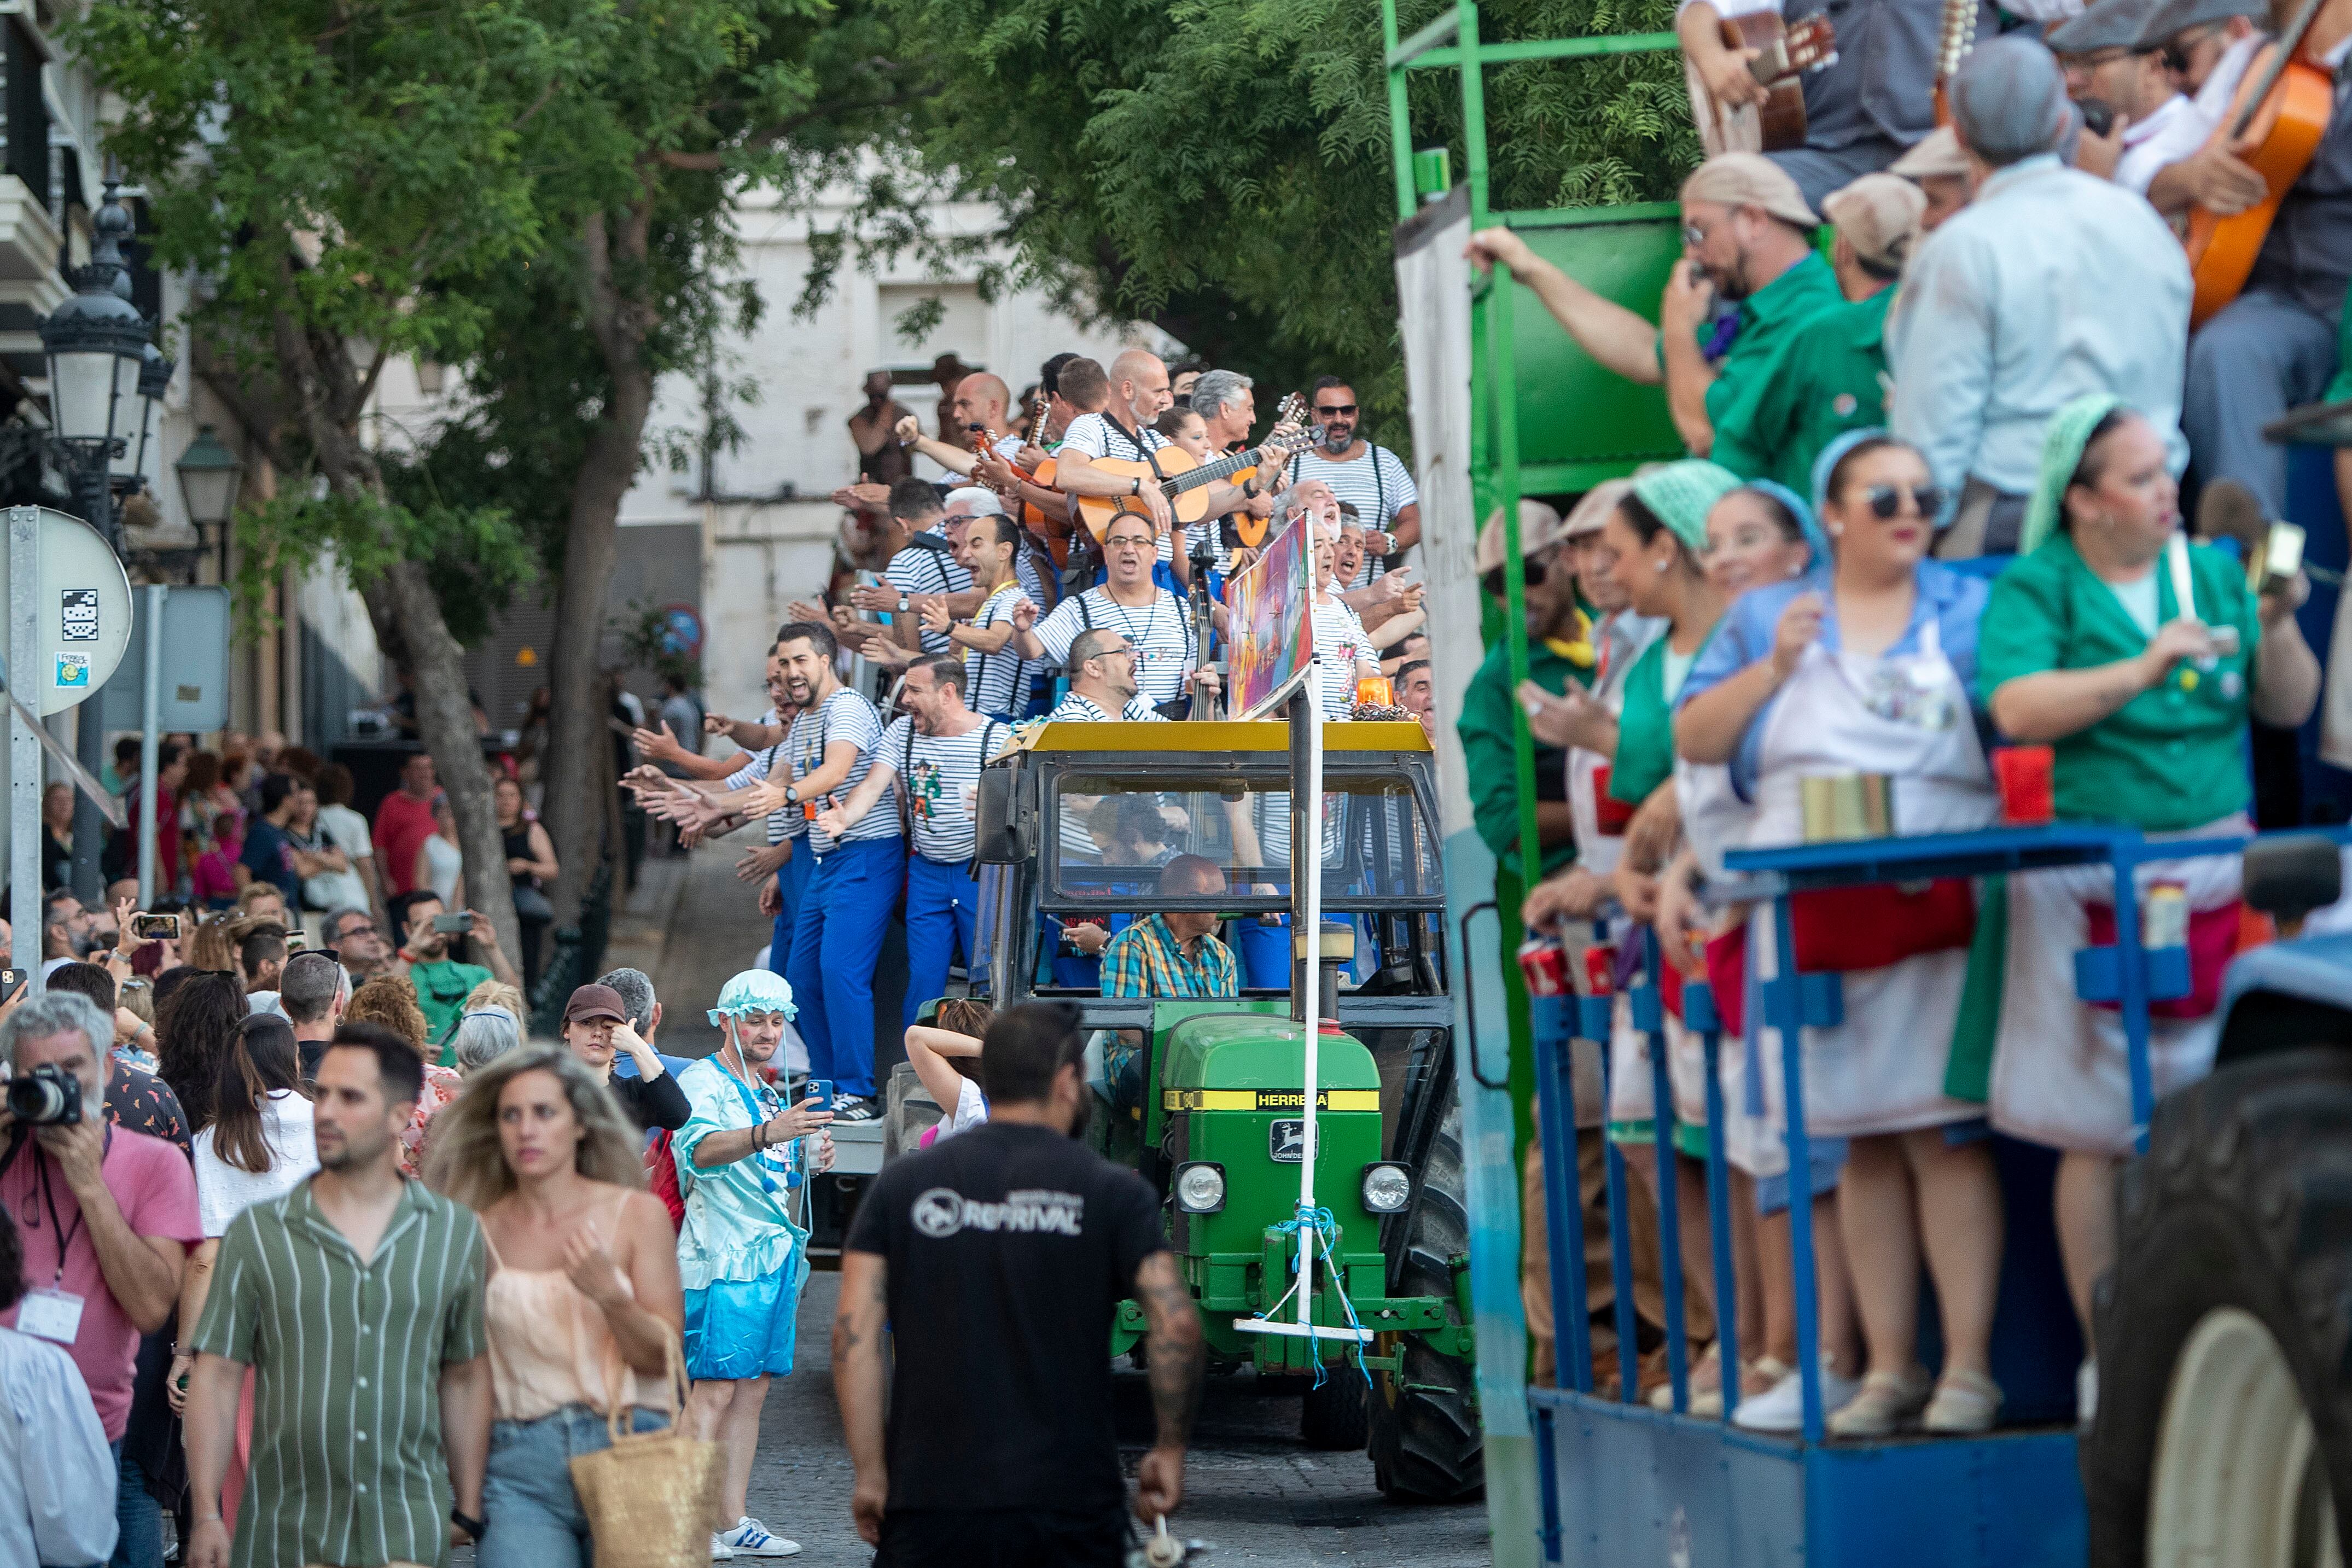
(739, 1329)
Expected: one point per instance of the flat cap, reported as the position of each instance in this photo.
(1936, 153)
(2106, 25)
(1879, 217)
(2009, 99)
(2175, 17)
(1750, 180)
(1591, 514)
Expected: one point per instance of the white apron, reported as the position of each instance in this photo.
(1881, 1071)
(2060, 1074)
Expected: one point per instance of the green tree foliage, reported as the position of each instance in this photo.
(1223, 167)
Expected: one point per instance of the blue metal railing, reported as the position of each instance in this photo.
(2124, 974)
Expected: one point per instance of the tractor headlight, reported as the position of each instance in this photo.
(1201, 1188)
(1387, 1188)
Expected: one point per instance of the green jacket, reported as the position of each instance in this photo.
(1822, 381)
(1486, 729)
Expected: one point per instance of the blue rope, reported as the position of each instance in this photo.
(1324, 1225)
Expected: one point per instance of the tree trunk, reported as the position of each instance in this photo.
(407, 614)
(573, 806)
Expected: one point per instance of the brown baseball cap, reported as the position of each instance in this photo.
(590, 1003)
(1937, 152)
(1750, 180)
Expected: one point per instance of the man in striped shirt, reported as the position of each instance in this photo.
(994, 673)
(853, 879)
(1371, 479)
(933, 752)
(1149, 618)
(1102, 684)
(356, 1301)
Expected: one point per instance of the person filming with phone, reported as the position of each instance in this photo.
(108, 1214)
(429, 933)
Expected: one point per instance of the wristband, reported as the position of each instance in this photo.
(477, 1528)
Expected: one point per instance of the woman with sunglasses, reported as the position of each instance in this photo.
(1862, 666)
(2090, 650)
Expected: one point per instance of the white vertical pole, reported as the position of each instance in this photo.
(149, 742)
(25, 685)
(1310, 864)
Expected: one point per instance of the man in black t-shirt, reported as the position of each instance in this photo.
(997, 1260)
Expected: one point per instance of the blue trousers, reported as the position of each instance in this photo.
(2261, 356)
(527, 1486)
(791, 877)
(836, 937)
(942, 907)
(138, 1519)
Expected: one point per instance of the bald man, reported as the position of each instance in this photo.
(981, 403)
(1140, 395)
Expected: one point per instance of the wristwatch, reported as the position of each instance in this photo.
(791, 794)
(905, 603)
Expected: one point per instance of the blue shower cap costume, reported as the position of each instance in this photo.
(742, 1255)
(753, 991)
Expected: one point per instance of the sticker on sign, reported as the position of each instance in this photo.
(73, 672)
(78, 611)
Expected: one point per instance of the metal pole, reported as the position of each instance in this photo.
(150, 743)
(97, 508)
(24, 828)
(1310, 864)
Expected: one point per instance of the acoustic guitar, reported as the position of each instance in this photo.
(1953, 38)
(2275, 126)
(1784, 53)
(1184, 479)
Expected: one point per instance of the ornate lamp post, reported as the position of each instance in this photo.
(106, 380)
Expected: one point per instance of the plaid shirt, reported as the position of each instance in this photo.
(1147, 959)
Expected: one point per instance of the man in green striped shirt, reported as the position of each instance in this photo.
(356, 1299)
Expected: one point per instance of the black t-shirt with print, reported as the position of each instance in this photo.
(1009, 1249)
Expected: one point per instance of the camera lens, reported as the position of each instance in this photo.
(45, 1098)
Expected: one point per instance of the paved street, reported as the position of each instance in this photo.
(1256, 1495)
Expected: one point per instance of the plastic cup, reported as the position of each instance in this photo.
(2027, 792)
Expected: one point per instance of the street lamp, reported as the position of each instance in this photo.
(106, 378)
(210, 475)
(103, 383)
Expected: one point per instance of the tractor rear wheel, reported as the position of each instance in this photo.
(1334, 1417)
(1425, 1439)
(2224, 1425)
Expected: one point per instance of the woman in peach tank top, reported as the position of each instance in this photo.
(582, 1298)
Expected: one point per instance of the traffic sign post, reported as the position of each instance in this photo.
(68, 623)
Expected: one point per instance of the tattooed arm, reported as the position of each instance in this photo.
(1176, 1356)
(859, 1378)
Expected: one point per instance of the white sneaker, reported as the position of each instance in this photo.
(720, 1551)
(749, 1538)
(2086, 1393)
(1781, 1407)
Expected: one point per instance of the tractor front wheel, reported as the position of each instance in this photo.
(1336, 1416)
(1426, 1444)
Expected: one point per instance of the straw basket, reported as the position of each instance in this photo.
(651, 1498)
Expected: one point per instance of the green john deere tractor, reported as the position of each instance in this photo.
(1206, 1098)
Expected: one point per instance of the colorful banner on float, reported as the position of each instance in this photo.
(1273, 634)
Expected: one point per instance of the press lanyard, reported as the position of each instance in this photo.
(48, 1201)
(751, 1105)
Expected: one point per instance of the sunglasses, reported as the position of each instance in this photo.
(1531, 573)
(1335, 408)
(1886, 500)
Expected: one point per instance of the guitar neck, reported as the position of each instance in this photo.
(1210, 472)
(2290, 44)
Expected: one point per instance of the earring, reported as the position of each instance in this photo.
(1836, 530)
(1657, 565)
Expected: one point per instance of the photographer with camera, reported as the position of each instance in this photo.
(108, 1214)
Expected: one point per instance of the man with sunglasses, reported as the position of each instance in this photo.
(1372, 479)
(1747, 242)
(1151, 621)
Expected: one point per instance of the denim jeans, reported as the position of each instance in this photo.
(139, 1517)
(526, 1497)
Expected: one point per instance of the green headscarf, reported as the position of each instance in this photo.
(1681, 494)
(2062, 440)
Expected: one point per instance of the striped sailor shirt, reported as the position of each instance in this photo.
(348, 1465)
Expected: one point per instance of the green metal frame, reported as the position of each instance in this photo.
(1452, 42)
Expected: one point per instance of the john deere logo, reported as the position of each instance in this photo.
(1285, 1142)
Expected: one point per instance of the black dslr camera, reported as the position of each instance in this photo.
(46, 1097)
